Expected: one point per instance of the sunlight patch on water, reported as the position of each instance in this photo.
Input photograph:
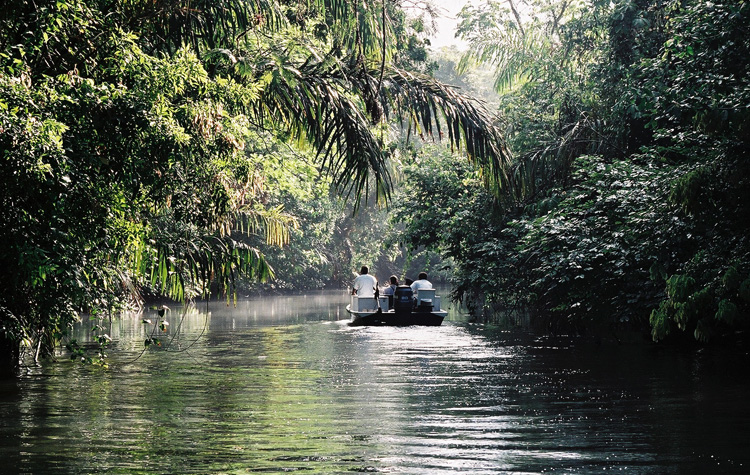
(242, 390)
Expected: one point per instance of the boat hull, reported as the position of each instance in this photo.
(400, 319)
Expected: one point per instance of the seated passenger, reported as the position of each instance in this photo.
(365, 284)
(421, 283)
(390, 290)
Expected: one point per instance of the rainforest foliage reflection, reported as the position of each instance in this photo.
(153, 149)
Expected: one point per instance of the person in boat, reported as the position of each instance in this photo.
(421, 283)
(390, 290)
(365, 284)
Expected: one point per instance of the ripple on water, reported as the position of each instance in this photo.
(240, 393)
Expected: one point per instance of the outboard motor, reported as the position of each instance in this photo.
(424, 306)
(403, 300)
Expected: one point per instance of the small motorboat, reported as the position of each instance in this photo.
(403, 310)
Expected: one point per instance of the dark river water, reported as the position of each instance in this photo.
(282, 384)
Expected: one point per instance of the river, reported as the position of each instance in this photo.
(282, 384)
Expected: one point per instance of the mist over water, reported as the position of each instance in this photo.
(282, 384)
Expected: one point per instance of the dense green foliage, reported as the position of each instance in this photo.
(150, 147)
(629, 122)
(114, 184)
(138, 140)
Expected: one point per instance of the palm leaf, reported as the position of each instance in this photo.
(323, 101)
(187, 260)
(202, 24)
(214, 24)
(314, 101)
(513, 55)
(274, 223)
(424, 105)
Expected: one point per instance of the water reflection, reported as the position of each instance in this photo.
(284, 384)
(312, 306)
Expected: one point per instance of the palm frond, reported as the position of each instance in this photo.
(323, 101)
(182, 260)
(202, 24)
(359, 26)
(274, 223)
(424, 105)
(314, 101)
(513, 55)
(207, 25)
(551, 161)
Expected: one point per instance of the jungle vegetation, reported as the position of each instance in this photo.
(629, 124)
(167, 148)
(138, 139)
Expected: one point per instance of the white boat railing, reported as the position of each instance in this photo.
(368, 304)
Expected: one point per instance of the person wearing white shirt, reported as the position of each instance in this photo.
(364, 285)
(421, 283)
